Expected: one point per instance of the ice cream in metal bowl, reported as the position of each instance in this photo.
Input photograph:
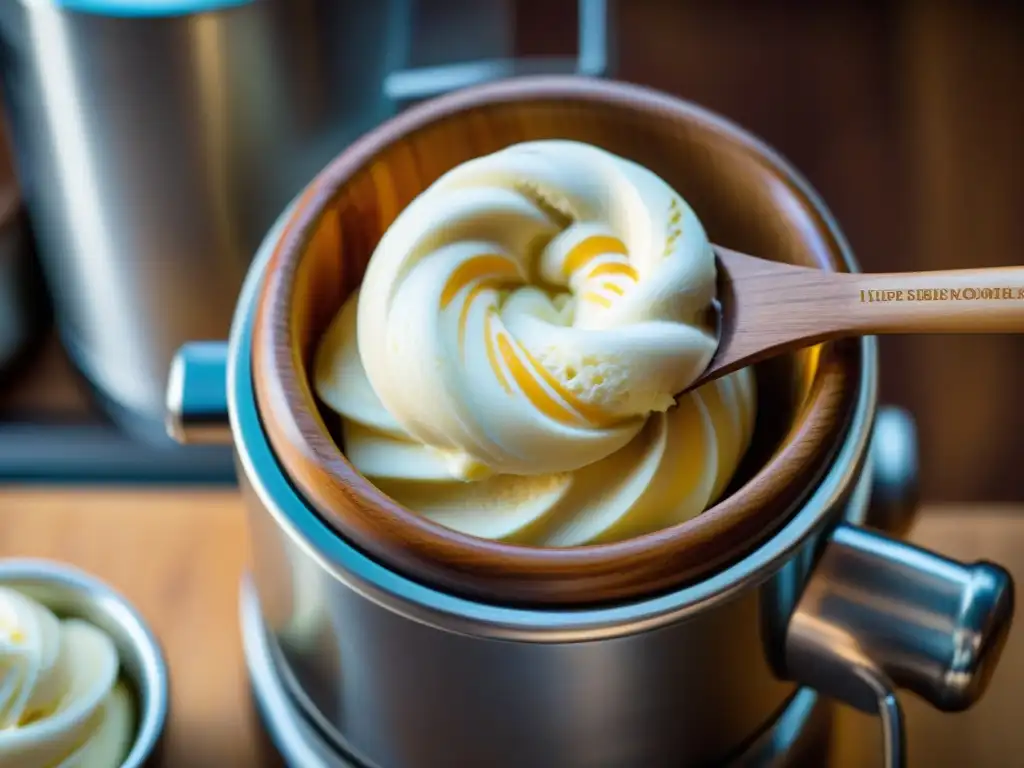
(84, 681)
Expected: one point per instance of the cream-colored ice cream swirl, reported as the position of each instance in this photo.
(61, 705)
(510, 363)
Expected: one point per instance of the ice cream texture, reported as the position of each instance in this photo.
(511, 362)
(61, 704)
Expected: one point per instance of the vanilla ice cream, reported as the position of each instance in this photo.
(61, 704)
(510, 364)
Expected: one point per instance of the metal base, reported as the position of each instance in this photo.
(798, 737)
(300, 743)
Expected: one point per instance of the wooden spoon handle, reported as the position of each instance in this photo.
(956, 301)
(772, 307)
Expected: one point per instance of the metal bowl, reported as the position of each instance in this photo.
(69, 592)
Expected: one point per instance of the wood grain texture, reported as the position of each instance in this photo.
(770, 308)
(960, 66)
(747, 200)
(178, 557)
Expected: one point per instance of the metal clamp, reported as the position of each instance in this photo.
(591, 59)
(197, 396)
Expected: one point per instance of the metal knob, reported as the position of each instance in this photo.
(197, 397)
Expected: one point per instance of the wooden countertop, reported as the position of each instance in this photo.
(178, 556)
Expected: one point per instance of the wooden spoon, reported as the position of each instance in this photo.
(769, 308)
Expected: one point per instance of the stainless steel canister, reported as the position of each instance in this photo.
(396, 674)
(157, 140)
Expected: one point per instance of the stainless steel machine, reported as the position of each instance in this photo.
(156, 141)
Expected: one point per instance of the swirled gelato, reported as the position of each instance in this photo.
(510, 364)
(61, 703)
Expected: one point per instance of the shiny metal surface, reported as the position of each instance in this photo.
(300, 744)
(894, 454)
(799, 736)
(879, 615)
(155, 151)
(371, 678)
(70, 592)
(881, 610)
(197, 396)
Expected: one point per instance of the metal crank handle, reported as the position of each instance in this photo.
(878, 615)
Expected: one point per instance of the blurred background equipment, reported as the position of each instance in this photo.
(156, 142)
(24, 306)
(154, 151)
